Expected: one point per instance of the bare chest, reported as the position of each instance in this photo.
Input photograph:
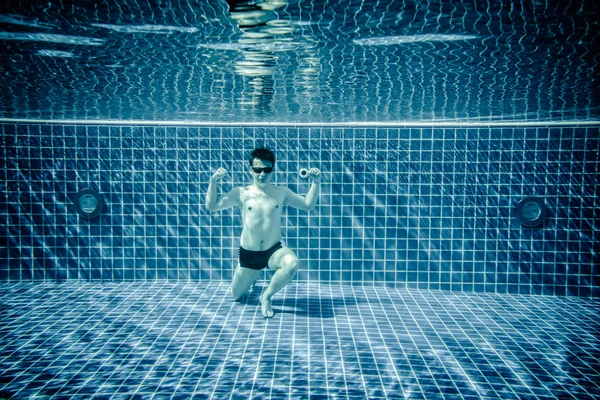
(257, 202)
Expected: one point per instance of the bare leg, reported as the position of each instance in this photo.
(243, 278)
(285, 264)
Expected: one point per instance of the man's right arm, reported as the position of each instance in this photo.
(214, 202)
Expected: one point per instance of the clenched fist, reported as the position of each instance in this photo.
(315, 174)
(218, 175)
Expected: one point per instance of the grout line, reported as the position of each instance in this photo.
(422, 342)
(391, 124)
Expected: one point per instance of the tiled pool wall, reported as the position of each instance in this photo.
(416, 207)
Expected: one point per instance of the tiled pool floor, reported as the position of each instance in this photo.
(176, 340)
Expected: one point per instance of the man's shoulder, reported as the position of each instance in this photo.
(236, 192)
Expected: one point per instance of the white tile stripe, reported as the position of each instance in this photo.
(353, 124)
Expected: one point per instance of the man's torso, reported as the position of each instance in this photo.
(261, 216)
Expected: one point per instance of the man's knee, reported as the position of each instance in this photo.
(236, 293)
(243, 279)
(290, 264)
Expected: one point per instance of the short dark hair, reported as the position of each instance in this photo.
(262, 153)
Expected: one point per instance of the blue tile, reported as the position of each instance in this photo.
(138, 156)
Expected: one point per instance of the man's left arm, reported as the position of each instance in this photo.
(307, 203)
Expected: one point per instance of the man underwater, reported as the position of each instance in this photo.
(260, 243)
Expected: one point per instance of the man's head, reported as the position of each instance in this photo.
(262, 162)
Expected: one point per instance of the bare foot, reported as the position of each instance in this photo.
(265, 306)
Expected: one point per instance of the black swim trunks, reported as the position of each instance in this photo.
(257, 259)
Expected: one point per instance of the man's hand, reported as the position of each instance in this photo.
(220, 174)
(315, 174)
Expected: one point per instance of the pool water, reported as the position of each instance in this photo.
(430, 121)
(300, 61)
